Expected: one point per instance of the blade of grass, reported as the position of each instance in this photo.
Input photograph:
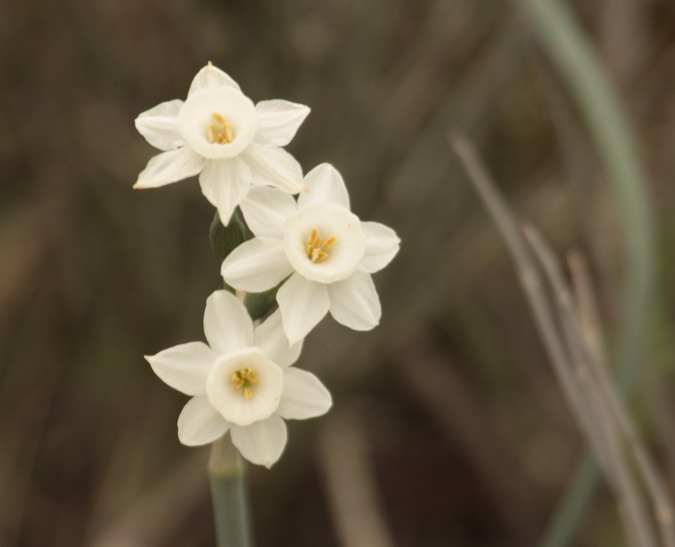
(560, 34)
(655, 482)
(599, 394)
(536, 295)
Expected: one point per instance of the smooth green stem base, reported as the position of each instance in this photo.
(228, 491)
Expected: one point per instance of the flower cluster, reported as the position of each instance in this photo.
(314, 250)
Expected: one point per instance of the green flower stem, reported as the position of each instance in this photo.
(560, 34)
(228, 491)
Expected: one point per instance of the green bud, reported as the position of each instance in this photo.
(224, 239)
(260, 304)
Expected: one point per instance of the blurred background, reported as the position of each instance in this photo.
(448, 427)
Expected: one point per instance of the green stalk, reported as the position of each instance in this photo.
(228, 491)
(561, 35)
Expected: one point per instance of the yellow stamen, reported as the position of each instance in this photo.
(312, 237)
(211, 133)
(219, 132)
(316, 249)
(218, 118)
(244, 378)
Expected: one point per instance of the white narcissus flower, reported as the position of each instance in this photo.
(218, 133)
(326, 250)
(242, 381)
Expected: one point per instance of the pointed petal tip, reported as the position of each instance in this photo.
(292, 340)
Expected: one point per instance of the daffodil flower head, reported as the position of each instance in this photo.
(218, 133)
(325, 254)
(241, 382)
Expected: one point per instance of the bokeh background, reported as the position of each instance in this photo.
(448, 427)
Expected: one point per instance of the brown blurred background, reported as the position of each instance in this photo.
(448, 427)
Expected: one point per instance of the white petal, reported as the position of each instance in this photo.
(184, 367)
(199, 423)
(256, 265)
(304, 396)
(354, 302)
(227, 325)
(324, 185)
(262, 442)
(382, 244)
(279, 121)
(159, 125)
(210, 76)
(169, 167)
(225, 183)
(274, 167)
(270, 338)
(266, 210)
(303, 304)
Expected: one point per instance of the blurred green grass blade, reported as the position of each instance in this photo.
(560, 35)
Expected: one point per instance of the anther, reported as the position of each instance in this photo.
(218, 118)
(219, 132)
(244, 378)
(211, 133)
(316, 248)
